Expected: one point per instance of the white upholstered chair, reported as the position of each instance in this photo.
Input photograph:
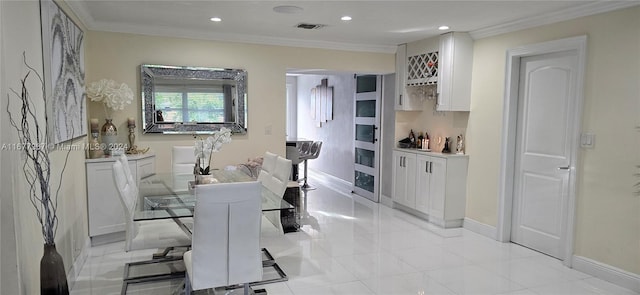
(276, 181)
(183, 159)
(147, 234)
(226, 236)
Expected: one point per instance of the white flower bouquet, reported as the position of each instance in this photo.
(204, 149)
(114, 96)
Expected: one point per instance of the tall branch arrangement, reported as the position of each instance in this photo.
(34, 144)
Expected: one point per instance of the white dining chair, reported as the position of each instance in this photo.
(183, 159)
(276, 182)
(145, 234)
(226, 237)
(269, 162)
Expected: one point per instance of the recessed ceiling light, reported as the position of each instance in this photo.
(442, 28)
(216, 19)
(346, 18)
(289, 9)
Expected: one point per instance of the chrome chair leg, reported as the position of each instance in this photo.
(306, 185)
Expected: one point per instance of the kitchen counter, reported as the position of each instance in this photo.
(429, 153)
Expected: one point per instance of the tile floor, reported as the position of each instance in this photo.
(349, 245)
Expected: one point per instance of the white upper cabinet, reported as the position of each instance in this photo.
(402, 101)
(454, 72)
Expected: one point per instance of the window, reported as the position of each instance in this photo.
(192, 104)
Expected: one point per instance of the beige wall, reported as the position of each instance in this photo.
(608, 212)
(21, 32)
(118, 56)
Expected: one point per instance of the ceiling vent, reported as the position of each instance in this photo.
(310, 26)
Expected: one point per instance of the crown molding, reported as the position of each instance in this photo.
(553, 17)
(79, 8)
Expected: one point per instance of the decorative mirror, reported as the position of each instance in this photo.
(193, 100)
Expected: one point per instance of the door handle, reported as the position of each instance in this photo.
(400, 102)
(564, 168)
(401, 161)
(426, 167)
(430, 167)
(374, 139)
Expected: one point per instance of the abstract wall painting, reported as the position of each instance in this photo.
(63, 57)
(321, 103)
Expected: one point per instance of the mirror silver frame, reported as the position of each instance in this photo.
(149, 72)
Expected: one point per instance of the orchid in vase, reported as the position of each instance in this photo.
(204, 149)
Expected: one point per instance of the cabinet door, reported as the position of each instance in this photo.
(146, 167)
(445, 71)
(423, 186)
(403, 102)
(106, 214)
(438, 181)
(399, 178)
(410, 167)
(401, 81)
(455, 62)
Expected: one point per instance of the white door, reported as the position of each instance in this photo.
(366, 143)
(546, 110)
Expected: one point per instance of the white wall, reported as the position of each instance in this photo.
(292, 107)
(388, 141)
(608, 212)
(336, 156)
(21, 33)
(118, 56)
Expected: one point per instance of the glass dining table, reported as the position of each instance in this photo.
(167, 195)
(172, 196)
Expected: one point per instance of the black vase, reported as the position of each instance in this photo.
(53, 279)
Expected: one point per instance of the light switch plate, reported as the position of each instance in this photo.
(587, 140)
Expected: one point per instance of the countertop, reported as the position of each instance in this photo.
(112, 159)
(429, 153)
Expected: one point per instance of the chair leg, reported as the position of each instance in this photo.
(306, 185)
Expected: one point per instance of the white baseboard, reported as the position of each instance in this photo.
(78, 263)
(339, 185)
(387, 201)
(480, 228)
(607, 272)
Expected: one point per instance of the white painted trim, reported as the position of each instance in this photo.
(509, 120)
(553, 17)
(78, 263)
(79, 8)
(607, 272)
(387, 201)
(330, 181)
(480, 228)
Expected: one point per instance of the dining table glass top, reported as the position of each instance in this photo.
(168, 195)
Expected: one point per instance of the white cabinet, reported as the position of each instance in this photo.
(455, 61)
(423, 184)
(402, 101)
(106, 215)
(404, 173)
(436, 188)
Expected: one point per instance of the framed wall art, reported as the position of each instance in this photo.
(63, 59)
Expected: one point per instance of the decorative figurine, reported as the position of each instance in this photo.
(446, 145)
(460, 146)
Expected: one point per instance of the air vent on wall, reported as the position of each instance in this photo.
(309, 26)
